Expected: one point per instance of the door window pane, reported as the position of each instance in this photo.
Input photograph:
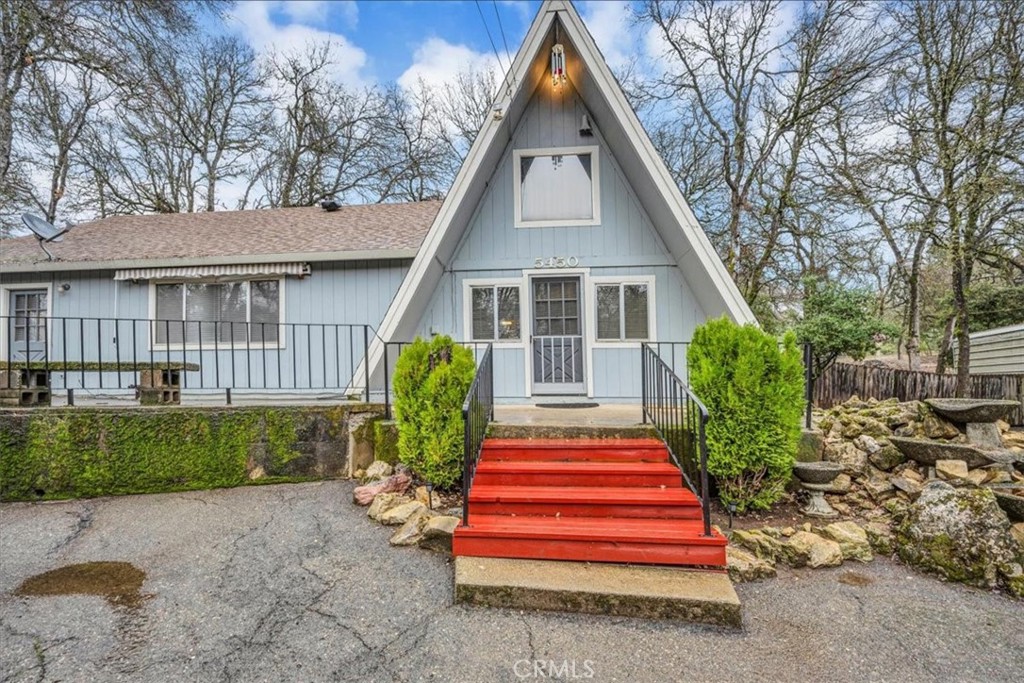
(556, 187)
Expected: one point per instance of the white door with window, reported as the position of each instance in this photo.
(556, 345)
(27, 324)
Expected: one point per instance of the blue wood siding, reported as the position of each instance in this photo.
(625, 243)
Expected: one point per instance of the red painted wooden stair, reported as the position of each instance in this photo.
(593, 500)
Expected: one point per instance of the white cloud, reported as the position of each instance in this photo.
(314, 12)
(253, 21)
(609, 24)
(436, 62)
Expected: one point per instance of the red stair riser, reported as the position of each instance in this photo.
(606, 510)
(590, 551)
(506, 454)
(574, 479)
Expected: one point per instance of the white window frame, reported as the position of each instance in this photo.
(5, 304)
(595, 184)
(222, 346)
(467, 310)
(652, 327)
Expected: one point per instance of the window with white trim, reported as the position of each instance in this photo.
(218, 312)
(495, 313)
(622, 312)
(556, 187)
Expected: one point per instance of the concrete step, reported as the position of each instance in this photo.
(646, 592)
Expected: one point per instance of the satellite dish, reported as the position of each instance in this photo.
(43, 231)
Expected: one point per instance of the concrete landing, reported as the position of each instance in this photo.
(621, 590)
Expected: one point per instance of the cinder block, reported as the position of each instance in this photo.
(10, 379)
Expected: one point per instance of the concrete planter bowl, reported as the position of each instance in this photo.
(817, 472)
(965, 410)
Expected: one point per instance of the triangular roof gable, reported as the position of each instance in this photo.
(627, 140)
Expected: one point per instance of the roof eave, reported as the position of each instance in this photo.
(240, 259)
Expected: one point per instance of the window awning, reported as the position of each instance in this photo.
(203, 272)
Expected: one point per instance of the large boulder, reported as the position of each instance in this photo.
(852, 540)
(400, 514)
(396, 483)
(887, 457)
(762, 545)
(806, 549)
(411, 532)
(961, 534)
(379, 469)
(438, 532)
(384, 502)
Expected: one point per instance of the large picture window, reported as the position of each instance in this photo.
(495, 313)
(209, 313)
(556, 187)
(623, 313)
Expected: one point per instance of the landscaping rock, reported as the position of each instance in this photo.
(951, 470)
(1017, 531)
(761, 544)
(934, 427)
(928, 452)
(959, 534)
(880, 489)
(996, 476)
(437, 533)
(400, 514)
(384, 502)
(744, 566)
(868, 444)
(909, 486)
(852, 540)
(972, 409)
(806, 549)
(434, 500)
(811, 445)
(396, 483)
(411, 532)
(846, 454)
(879, 537)
(257, 473)
(887, 457)
(984, 435)
(840, 485)
(977, 477)
(379, 469)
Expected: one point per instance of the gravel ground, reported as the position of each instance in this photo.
(292, 582)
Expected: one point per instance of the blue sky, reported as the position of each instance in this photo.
(402, 40)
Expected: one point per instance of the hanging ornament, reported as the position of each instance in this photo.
(557, 65)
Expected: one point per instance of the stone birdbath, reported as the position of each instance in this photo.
(978, 415)
(816, 478)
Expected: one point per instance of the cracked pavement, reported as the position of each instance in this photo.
(293, 582)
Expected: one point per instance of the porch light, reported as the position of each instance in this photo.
(557, 65)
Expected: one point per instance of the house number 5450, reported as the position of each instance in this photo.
(556, 262)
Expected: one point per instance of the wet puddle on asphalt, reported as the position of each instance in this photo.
(119, 583)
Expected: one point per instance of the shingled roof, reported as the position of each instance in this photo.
(303, 233)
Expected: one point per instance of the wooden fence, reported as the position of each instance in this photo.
(841, 381)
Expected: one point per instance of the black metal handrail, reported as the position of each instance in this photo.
(681, 420)
(105, 353)
(477, 412)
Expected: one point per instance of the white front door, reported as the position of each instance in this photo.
(557, 347)
(26, 324)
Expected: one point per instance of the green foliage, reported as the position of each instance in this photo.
(753, 390)
(431, 381)
(80, 453)
(992, 306)
(839, 321)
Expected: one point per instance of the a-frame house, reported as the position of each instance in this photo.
(564, 240)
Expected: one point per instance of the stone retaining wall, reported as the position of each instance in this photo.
(53, 453)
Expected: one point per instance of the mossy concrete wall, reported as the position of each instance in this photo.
(82, 452)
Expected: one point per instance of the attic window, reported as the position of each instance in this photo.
(556, 187)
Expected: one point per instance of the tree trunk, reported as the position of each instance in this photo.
(963, 340)
(914, 318)
(944, 346)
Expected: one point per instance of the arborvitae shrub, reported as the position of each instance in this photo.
(431, 381)
(753, 388)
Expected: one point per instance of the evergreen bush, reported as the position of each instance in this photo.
(753, 388)
(431, 381)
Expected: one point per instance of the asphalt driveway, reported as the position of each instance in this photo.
(292, 582)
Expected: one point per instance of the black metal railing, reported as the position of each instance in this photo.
(681, 420)
(110, 353)
(477, 412)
